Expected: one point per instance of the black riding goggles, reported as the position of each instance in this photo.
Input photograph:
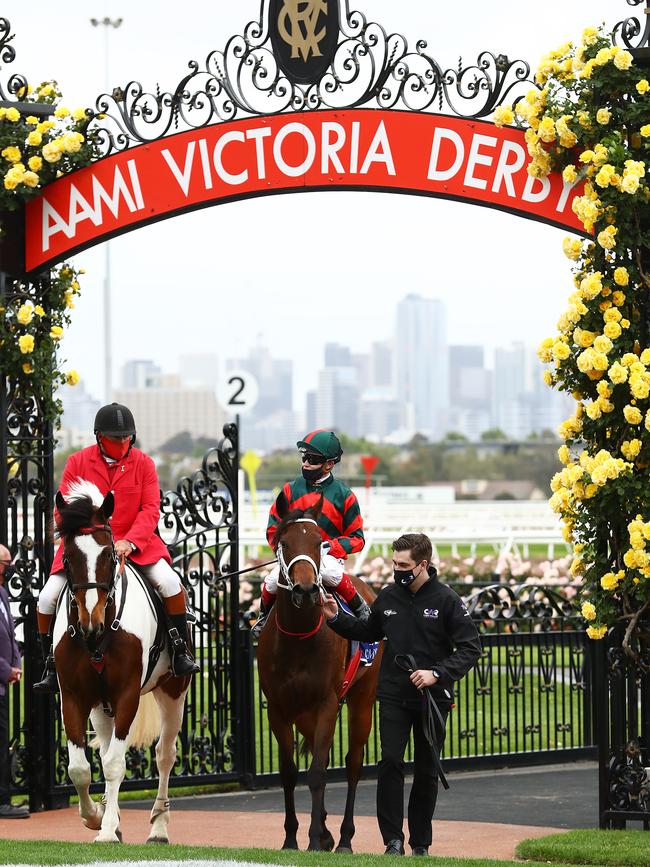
(311, 458)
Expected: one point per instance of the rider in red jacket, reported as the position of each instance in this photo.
(114, 464)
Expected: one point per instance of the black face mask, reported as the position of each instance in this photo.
(9, 572)
(312, 475)
(405, 576)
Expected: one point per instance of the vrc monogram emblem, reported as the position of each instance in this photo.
(297, 23)
(304, 35)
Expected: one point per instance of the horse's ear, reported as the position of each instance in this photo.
(317, 508)
(282, 505)
(60, 502)
(108, 505)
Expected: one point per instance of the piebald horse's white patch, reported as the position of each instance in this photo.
(91, 549)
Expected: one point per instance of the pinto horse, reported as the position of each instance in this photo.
(301, 664)
(104, 630)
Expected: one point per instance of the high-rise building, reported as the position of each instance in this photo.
(337, 400)
(140, 373)
(422, 364)
(274, 377)
(337, 355)
(79, 411)
(381, 364)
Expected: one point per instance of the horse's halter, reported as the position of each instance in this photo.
(285, 568)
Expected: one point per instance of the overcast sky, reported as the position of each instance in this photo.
(298, 270)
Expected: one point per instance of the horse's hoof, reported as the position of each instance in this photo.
(109, 838)
(157, 840)
(344, 850)
(118, 834)
(326, 843)
(290, 845)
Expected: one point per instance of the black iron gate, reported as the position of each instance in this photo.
(199, 523)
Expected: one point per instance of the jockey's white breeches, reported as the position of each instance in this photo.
(160, 574)
(331, 572)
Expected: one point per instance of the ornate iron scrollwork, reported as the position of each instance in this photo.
(369, 67)
(16, 86)
(634, 34)
(629, 787)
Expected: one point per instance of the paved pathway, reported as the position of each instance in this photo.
(504, 806)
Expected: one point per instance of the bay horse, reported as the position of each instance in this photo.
(301, 664)
(104, 629)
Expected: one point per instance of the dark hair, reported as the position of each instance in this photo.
(417, 543)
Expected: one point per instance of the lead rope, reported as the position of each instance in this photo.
(430, 711)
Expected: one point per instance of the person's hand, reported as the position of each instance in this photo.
(15, 675)
(330, 608)
(123, 548)
(423, 678)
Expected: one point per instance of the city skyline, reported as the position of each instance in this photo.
(417, 380)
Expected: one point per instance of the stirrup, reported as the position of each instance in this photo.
(182, 662)
(258, 626)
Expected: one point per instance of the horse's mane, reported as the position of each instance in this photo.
(84, 499)
(289, 518)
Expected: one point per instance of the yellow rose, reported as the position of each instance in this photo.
(631, 449)
(503, 116)
(12, 114)
(621, 277)
(547, 376)
(28, 368)
(602, 57)
(35, 164)
(30, 179)
(632, 414)
(560, 351)
(617, 373)
(596, 632)
(572, 248)
(71, 143)
(612, 330)
(51, 152)
(609, 581)
(56, 332)
(607, 238)
(588, 611)
(11, 154)
(72, 377)
(38, 310)
(25, 313)
(62, 112)
(34, 138)
(623, 60)
(645, 130)
(603, 116)
(26, 343)
(569, 175)
(642, 86)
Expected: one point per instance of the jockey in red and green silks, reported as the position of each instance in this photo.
(340, 521)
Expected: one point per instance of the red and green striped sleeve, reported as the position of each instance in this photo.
(274, 518)
(351, 540)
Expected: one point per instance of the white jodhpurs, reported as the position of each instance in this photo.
(160, 574)
(331, 573)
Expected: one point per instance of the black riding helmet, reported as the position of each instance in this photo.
(115, 420)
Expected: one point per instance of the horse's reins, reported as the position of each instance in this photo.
(290, 584)
(430, 711)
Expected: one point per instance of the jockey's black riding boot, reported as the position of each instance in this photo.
(49, 681)
(182, 660)
(359, 607)
(258, 626)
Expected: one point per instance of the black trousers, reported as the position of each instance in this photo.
(5, 769)
(395, 724)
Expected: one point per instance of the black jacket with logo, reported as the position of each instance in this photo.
(432, 625)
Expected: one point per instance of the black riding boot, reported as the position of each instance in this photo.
(49, 681)
(182, 660)
(258, 626)
(359, 607)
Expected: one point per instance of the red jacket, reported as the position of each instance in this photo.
(135, 486)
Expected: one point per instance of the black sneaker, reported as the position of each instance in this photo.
(419, 850)
(394, 847)
(10, 811)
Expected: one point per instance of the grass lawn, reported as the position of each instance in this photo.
(611, 848)
(48, 852)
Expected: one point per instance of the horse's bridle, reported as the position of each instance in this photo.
(285, 567)
(109, 587)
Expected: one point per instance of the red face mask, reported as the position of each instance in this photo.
(113, 449)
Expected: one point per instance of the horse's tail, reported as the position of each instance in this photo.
(145, 728)
(306, 747)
